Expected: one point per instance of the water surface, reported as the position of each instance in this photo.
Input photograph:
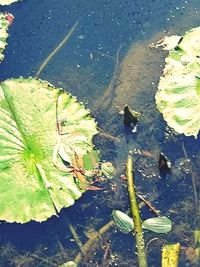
(110, 34)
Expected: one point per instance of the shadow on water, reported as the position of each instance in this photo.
(85, 68)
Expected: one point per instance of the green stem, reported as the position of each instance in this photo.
(142, 260)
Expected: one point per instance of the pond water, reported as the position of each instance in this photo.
(107, 63)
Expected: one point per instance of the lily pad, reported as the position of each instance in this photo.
(178, 96)
(7, 2)
(36, 119)
(5, 21)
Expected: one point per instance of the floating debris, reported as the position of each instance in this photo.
(131, 118)
(168, 42)
(108, 169)
(164, 164)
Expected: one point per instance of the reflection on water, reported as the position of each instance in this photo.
(107, 63)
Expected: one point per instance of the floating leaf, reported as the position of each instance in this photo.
(123, 222)
(178, 96)
(7, 2)
(160, 225)
(35, 120)
(5, 20)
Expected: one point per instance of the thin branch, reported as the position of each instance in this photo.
(87, 246)
(58, 47)
(77, 239)
(110, 91)
(193, 183)
(107, 135)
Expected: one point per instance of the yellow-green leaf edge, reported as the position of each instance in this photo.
(7, 2)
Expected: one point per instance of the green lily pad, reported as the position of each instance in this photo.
(4, 24)
(7, 2)
(178, 96)
(36, 121)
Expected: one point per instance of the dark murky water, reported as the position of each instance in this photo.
(85, 68)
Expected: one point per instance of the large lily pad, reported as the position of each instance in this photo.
(31, 112)
(7, 2)
(178, 96)
(4, 24)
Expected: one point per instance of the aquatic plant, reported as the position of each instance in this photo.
(123, 222)
(7, 252)
(41, 127)
(178, 96)
(5, 21)
(128, 225)
(142, 260)
(90, 243)
(25, 260)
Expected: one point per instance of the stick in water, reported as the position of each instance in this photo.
(58, 47)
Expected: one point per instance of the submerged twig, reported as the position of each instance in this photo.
(97, 235)
(149, 205)
(151, 241)
(58, 47)
(107, 135)
(196, 200)
(110, 91)
(141, 253)
(77, 239)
